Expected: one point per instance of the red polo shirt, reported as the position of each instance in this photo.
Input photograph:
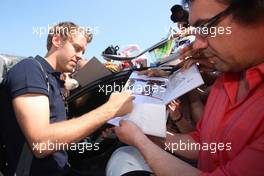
(239, 124)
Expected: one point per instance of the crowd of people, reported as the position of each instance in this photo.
(232, 114)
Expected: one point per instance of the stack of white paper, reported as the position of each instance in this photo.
(153, 94)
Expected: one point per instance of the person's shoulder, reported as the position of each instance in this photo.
(25, 70)
(27, 64)
(26, 76)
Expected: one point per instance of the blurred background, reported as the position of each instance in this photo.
(25, 24)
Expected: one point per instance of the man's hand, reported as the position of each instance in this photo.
(120, 103)
(175, 110)
(129, 133)
(191, 56)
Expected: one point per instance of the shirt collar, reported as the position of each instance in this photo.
(254, 77)
(45, 63)
(48, 67)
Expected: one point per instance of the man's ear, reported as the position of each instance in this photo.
(56, 41)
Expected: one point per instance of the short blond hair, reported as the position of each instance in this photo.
(66, 30)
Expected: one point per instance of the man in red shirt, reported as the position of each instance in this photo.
(229, 139)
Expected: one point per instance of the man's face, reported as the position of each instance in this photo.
(235, 50)
(70, 52)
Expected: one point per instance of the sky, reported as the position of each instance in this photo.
(25, 23)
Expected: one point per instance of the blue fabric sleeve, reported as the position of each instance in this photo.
(27, 77)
